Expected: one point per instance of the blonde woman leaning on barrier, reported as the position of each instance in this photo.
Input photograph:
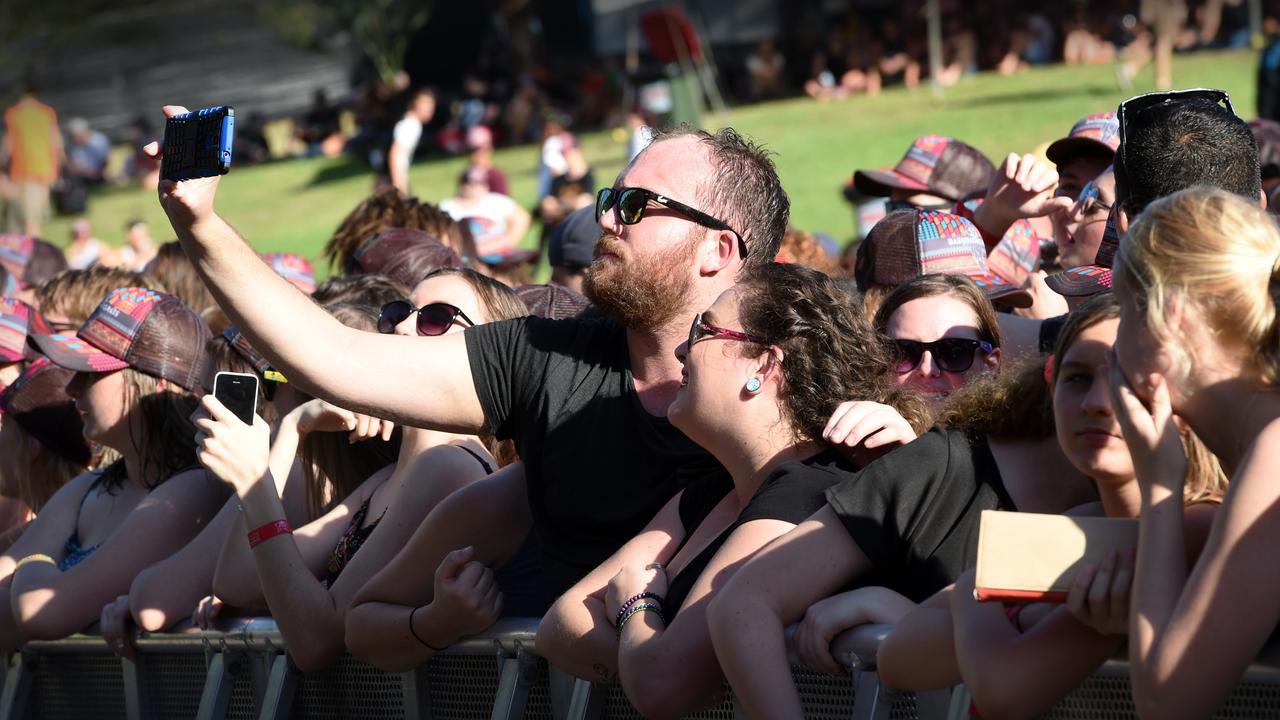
(308, 579)
(1018, 661)
(1198, 276)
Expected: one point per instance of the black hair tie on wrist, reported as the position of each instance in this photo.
(418, 637)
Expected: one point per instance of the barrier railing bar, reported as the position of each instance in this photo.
(868, 700)
(509, 702)
(17, 687)
(258, 642)
(133, 698)
(277, 702)
(417, 696)
(587, 700)
(215, 699)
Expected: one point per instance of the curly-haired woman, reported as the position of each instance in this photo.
(764, 369)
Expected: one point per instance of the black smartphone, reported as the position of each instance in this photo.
(238, 392)
(198, 144)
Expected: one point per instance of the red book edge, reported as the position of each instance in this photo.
(1015, 597)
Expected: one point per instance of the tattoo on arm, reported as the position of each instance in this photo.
(604, 673)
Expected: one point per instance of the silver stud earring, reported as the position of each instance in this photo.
(753, 385)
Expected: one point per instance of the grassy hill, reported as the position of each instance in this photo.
(294, 205)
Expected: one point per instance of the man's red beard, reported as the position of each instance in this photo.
(643, 293)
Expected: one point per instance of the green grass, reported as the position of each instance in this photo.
(294, 206)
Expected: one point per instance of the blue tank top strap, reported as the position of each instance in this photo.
(74, 553)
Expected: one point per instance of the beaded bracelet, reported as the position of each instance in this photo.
(636, 610)
(632, 601)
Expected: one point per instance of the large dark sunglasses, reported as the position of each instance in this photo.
(630, 203)
(433, 319)
(1134, 106)
(950, 354)
(699, 330)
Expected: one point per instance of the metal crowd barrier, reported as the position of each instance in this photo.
(241, 670)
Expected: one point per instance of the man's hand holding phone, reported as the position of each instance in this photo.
(188, 203)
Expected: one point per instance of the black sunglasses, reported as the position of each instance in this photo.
(950, 354)
(630, 203)
(433, 318)
(1134, 106)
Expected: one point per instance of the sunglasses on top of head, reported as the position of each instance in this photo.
(629, 205)
(433, 318)
(949, 354)
(1135, 106)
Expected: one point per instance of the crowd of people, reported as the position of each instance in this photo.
(729, 431)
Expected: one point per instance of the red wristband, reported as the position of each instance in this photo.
(268, 531)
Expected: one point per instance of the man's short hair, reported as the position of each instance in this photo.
(743, 191)
(1178, 145)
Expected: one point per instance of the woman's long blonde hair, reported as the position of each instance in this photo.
(1216, 251)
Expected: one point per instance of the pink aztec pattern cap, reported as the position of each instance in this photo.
(1093, 133)
(137, 328)
(1017, 256)
(15, 324)
(909, 243)
(15, 254)
(935, 164)
(1089, 279)
(294, 268)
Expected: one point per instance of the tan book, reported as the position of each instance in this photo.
(1030, 557)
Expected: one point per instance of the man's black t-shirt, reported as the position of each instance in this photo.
(598, 466)
(915, 512)
(790, 493)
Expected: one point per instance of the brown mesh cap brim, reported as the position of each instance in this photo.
(883, 182)
(1066, 149)
(1080, 281)
(1011, 296)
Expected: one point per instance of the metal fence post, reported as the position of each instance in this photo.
(17, 688)
(277, 704)
(219, 680)
(133, 696)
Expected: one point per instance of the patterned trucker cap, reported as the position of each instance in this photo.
(15, 323)
(1089, 279)
(934, 164)
(294, 268)
(137, 328)
(909, 243)
(1093, 133)
(39, 403)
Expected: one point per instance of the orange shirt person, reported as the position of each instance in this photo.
(33, 145)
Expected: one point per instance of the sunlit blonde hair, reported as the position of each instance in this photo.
(1215, 251)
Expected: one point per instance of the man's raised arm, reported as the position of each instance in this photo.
(420, 381)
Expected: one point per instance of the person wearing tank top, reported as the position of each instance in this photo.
(308, 577)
